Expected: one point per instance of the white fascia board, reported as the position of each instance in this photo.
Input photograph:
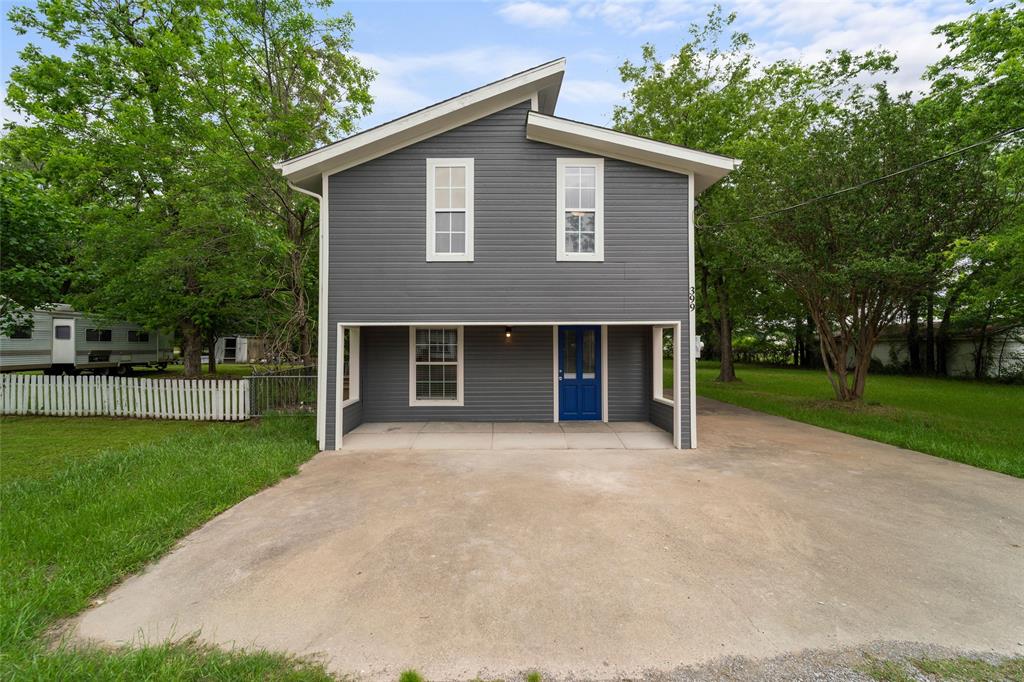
(541, 83)
(706, 168)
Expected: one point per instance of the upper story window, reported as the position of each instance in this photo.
(136, 336)
(97, 334)
(449, 209)
(580, 209)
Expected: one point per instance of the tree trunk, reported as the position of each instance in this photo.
(942, 341)
(300, 312)
(914, 334)
(929, 344)
(726, 371)
(979, 352)
(211, 359)
(191, 348)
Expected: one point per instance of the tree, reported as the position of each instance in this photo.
(281, 83)
(36, 242)
(976, 90)
(168, 151)
(856, 257)
(713, 95)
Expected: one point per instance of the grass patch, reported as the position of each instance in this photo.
(410, 676)
(68, 535)
(961, 669)
(36, 447)
(977, 423)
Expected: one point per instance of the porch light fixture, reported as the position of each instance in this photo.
(508, 332)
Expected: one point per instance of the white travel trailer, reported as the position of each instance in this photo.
(63, 341)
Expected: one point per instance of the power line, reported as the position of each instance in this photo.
(873, 181)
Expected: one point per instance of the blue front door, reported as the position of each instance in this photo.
(579, 373)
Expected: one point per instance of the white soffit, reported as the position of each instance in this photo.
(544, 81)
(707, 169)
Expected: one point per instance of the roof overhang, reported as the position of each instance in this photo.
(540, 85)
(707, 169)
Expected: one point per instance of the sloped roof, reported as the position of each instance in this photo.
(540, 85)
(707, 169)
(543, 82)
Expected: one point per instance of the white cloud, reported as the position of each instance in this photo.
(795, 29)
(600, 94)
(634, 17)
(405, 83)
(535, 14)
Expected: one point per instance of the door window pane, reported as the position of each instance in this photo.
(589, 355)
(569, 371)
(62, 331)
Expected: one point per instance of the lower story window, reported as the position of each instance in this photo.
(435, 363)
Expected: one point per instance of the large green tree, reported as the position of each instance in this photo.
(163, 119)
(36, 243)
(714, 95)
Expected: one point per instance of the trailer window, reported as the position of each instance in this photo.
(97, 334)
(135, 336)
(22, 331)
(62, 331)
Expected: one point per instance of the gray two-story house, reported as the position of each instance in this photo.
(485, 260)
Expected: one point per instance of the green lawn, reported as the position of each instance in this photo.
(75, 525)
(36, 447)
(977, 423)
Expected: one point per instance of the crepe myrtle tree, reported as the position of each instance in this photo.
(713, 94)
(853, 259)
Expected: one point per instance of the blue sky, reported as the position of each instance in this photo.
(427, 51)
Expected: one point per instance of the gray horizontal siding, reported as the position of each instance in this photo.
(378, 271)
(662, 415)
(377, 267)
(352, 416)
(629, 373)
(505, 379)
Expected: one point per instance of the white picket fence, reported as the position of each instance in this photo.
(83, 396)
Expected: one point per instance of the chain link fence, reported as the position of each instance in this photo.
(282, 391)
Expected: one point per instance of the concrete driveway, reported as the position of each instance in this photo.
(772, 537)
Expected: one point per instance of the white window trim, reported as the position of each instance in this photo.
(432, 255)
(657, 388)
(353, 359)
(413, 400)
(598, 165)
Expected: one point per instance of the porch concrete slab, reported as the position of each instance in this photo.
(771, 538)
(593, 441)
(585, 427)
(452, 441)
(627, 427)
(527, 427)
(458, 427)
(390, 427)
(528, 441)
(646, 440)
(378, 441)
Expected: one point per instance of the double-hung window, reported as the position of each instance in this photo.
(580, 209)
(435, 366)
(449, 209)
